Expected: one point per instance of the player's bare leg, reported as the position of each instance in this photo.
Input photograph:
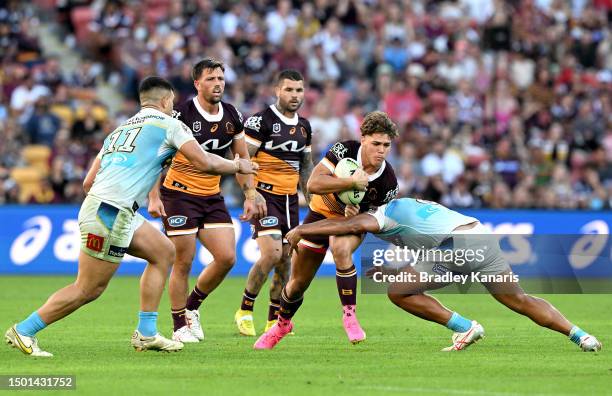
(541, 312)
(92, 278)
(221, 243)
(304, 265)
(148, 243)
(279, 279)
(346, 280)
(271, 253)
(178, 285)
(411, 298)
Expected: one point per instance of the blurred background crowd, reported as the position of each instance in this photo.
(500, 103)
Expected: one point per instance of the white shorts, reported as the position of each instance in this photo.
(106, 230)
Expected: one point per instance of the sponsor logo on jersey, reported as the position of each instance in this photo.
(339, 150)
(94, 242)
(197, 126)
(179, 185)
(289, 145)
(269, 221)
(117, 251)
(213, 144)
(177, 221)
(214, 128)
(292, 131)
(265, 186)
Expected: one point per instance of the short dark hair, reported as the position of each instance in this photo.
(206, 63)
(153, 82)
(289, 74)
(378, 122)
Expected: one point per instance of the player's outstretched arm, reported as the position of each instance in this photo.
(91, 175)
(341, 226)
(322, 181)
(214, 164)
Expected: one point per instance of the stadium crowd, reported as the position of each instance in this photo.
(500, 104)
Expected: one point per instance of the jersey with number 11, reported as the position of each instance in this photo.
(133, 155)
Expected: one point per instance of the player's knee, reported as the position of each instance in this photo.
(91, 293)
(226, 260)
(182, 260)
(342, 256)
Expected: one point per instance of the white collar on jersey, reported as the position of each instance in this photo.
(207, 116)
(378, 172)
(288, 121)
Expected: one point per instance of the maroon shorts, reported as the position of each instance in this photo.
(187, 213)
(283, 215)
(316, 243)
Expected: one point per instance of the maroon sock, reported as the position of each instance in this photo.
(288, 308)
(178, 317)
(273, 309)
(248, 301)
(195, 299)
(346, 280)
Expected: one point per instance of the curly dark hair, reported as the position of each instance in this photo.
(378, 122)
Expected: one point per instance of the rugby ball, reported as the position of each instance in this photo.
(345, 168)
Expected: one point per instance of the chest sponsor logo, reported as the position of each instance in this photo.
(177, 221)
(269, 221)
(214, 128)
(276, 128)
(197, 126)
(289, 145)
(214, 144)
(94, 242)
(292, 131)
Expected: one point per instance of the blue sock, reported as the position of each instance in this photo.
(147, 323)
(458, 323)
(32, 325)
(575, 334)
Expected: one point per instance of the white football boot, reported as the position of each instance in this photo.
(184, 335)
(154, 343)
(467, 338)
(588, 343)
(193, 321)
(27, 345)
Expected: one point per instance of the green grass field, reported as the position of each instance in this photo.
(400, 356)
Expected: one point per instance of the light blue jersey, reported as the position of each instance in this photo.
(133, 155)
(417, 223)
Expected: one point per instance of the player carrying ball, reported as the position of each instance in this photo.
(378, 180)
